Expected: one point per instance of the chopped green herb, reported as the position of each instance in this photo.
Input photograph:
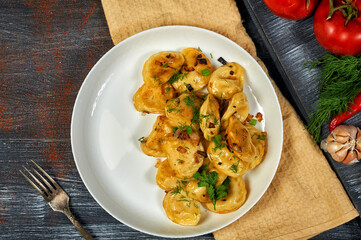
(156, 79)
(180, 160)
(219, 141)
(178, 188)
(195, 119)
(209, 180)
(141, 139)
(199, 49)
(253, 122)
(167, 89)
(189, 130)
(216, 120)
(205, 116)
(175, 103)
(261, 137)
(221, 190)
(189, 100)
(175, 129)
(211, 55)
(234, 167)
(178, 75)
(165, 65)
(206, 72)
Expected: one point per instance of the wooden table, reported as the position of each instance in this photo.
(47, 48)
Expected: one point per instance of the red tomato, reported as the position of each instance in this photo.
(291, 9)
(332, 34)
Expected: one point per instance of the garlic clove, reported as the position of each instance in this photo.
(344, 144)
(340, 155)
(333, 147)
(351, 158)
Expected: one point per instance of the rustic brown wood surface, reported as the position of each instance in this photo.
(47, 47)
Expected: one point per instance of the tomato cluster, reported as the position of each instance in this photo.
(336, 23)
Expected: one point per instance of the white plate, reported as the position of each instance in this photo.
(106, 127)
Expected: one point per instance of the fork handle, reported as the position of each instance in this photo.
(78, 226)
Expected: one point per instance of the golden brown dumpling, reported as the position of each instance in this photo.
(184, 110)
(225, 160)
(185, 153)
(166, 177)
(160, 67)
(226, 81)
(197, 193)
(149, 99)
(181, 209)
(196, 71)
(210, 117)
(245, 141)
(259, 140)
(236, 197)
(152, 145)
(237, 106)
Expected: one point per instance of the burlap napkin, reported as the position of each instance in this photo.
(305, 197)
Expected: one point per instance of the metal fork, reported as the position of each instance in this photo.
(54, 195)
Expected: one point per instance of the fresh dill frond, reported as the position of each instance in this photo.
(340, 83)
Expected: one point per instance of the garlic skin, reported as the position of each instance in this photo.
(344, 144)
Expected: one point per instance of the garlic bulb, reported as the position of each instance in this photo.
(344, 144)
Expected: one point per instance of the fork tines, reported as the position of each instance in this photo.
(46, 183)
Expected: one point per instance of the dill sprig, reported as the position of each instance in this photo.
(340, 82)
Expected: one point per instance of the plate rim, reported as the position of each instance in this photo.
(76, 106)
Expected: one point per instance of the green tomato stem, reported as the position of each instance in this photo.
(350, 13)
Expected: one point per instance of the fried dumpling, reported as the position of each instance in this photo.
(210, 117)
(181, 209)
(150, 99)
(238, 107)
(160, 67)
(196, 71)
(237, 194)
(152, 145)
(226, 81)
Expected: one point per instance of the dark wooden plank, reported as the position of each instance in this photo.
(264, 27)
(291, 44)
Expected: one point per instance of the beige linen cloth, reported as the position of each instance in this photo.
(305, 198)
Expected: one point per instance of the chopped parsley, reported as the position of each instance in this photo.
(209, 180)
(199, 49)
(141, 139)
(175, 129)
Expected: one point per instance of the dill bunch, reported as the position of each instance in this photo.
(340, 82)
